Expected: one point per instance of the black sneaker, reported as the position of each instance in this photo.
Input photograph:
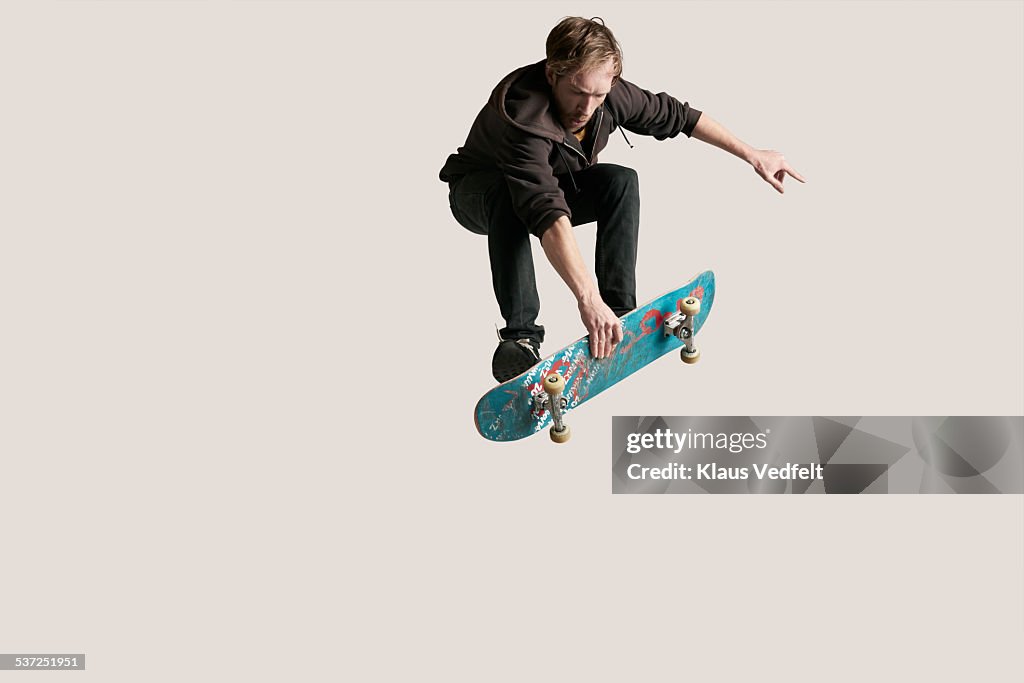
(514, 357)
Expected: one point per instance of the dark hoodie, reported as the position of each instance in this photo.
(518, 133)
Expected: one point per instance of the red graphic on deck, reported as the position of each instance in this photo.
(561, 367)
(649, 324)
(657, 316)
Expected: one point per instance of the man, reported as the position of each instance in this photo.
(529, 167)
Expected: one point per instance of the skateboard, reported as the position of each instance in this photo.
(541, 396)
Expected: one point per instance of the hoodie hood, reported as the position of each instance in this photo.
(523, 100)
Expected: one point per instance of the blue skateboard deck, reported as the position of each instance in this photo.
(507, 412)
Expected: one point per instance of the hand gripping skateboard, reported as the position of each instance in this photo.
(542, 395)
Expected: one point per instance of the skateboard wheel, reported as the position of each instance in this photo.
(560, 436)
(689, 358)
(690, 306)
(554, 384)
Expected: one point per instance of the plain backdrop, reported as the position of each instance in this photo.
(243, 337)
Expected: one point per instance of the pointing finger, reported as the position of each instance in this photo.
(792, 171)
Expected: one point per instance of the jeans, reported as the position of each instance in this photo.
(608, 194)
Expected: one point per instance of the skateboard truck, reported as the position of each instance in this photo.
(680, 326)
(551, 398)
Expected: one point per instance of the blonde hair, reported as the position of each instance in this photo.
(578, 44)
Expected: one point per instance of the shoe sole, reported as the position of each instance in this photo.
(507, 371)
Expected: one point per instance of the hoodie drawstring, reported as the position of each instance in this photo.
(623, 131)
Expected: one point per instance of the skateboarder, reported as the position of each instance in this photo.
(529, 167)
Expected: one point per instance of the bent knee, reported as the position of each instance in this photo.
(619, 175)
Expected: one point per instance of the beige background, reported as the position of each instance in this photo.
(242, 339)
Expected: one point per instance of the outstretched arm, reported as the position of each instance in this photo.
(563, 252)
(769, 164)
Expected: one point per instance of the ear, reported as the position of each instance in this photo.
(550, 75)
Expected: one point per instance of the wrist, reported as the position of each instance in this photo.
(748, 154)
(588, 295)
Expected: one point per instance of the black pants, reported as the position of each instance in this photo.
(608, 194)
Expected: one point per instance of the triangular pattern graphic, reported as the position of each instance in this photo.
(829, 435)
(851, 478)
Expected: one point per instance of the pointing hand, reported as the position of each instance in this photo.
(772, 166)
